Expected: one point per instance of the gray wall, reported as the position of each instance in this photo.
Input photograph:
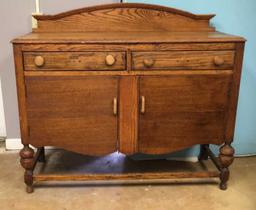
(57, 6)
(15, 20)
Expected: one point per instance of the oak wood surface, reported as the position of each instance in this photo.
(126, 73)
(181, 111)
(182, 60)
(21, 93)
(127, 37)
(128, 78)
(125, 5)
(128, 176)
(124, 17)
(128, 130)
(55, 61)
(123, 47)
(64, 112)
(231, 117)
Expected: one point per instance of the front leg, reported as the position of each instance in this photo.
(226, 158)
(27, 162)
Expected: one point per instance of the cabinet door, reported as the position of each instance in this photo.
(179, 111)
(74, 113)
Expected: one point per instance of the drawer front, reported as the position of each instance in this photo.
(64, 61)
(175, 60)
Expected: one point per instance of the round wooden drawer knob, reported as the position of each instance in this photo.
(218, 61)
(110, 60)
(39, 61)
(149, 63)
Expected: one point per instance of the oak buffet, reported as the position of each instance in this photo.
(133, 78)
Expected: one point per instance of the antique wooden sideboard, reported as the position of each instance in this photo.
(132, 78)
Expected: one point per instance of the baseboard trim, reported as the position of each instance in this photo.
(13, 144)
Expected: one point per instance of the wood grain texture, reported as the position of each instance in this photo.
(124, 17)
(231, 117)
(182, 60)
(64, 112)
(127, 37)
(125, 47)
(64, 61)
(128, 176)
(21, 91)
(125, 73)
(128, 130)
(125, 5)
(182, 111)
(100, 66)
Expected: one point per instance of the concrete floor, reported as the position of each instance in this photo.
(241, 193)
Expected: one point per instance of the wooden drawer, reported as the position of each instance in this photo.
(64, 61)
(169, 60)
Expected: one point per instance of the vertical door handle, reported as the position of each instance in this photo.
(143, 105)
(115, 106)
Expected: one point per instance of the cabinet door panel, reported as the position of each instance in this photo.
(74, 113)
(181, 111)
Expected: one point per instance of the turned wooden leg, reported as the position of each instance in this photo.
(27, 162)
(203, 155)
(226, 158)
(41, 157)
